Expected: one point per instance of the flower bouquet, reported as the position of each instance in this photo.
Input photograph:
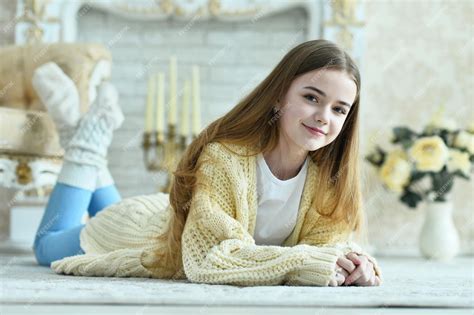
(422, 165)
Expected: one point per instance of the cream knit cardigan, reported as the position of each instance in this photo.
(217, 243)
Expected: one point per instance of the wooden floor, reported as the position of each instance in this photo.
(412, 286)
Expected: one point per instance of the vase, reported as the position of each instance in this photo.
(439, 239)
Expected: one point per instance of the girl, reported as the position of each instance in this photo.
(268, 194)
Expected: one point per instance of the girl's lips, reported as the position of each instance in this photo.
(314, 132)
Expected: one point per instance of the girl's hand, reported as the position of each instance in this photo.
(338, 278)
(361, 270)
(341, 273)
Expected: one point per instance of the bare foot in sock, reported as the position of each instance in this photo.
(94, 134)
(60, 96)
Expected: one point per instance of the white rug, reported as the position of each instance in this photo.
(409, 282)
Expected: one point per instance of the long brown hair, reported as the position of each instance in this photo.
(247, 124)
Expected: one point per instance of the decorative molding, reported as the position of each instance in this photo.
(26, 173)
(343, 23)
(68, 12)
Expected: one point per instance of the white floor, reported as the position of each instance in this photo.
(412, 286)
(237, 310)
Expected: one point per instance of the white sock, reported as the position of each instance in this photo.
(59, 95)
(78, 175)
(104, 178)
(93, 136)
(85, 176)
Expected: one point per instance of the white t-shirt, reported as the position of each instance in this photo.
(278, 203)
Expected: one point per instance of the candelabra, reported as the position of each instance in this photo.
(162, 156)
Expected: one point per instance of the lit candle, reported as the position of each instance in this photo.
(173, 83)
(160, 110)
(196, 102)
(185, 110)
(149, 104)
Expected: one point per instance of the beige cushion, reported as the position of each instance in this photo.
(28, 132)
(17, 64)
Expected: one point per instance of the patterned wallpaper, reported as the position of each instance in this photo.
(418, 55)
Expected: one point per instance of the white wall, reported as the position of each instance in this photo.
(233, 57)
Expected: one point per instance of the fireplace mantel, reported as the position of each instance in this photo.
(63, 15)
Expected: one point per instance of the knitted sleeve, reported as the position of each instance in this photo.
(217, 249)
(326, 233)
(126, 262)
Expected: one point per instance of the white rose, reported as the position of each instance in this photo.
(465, 140)
(395, 172)
(459, 161)
(470, 128)
(429, 153)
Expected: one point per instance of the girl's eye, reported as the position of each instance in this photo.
(309, 97)
(342, 110)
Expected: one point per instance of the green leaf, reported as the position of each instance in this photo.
(411, 198)
(370, 160)
(460, 174)
(372, 157)
(415, 176)
(406, 143)
(444, 134)
(442, 182)
(403, 134)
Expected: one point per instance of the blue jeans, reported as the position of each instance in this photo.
(58, 233)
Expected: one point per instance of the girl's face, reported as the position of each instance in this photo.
(319, 99)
